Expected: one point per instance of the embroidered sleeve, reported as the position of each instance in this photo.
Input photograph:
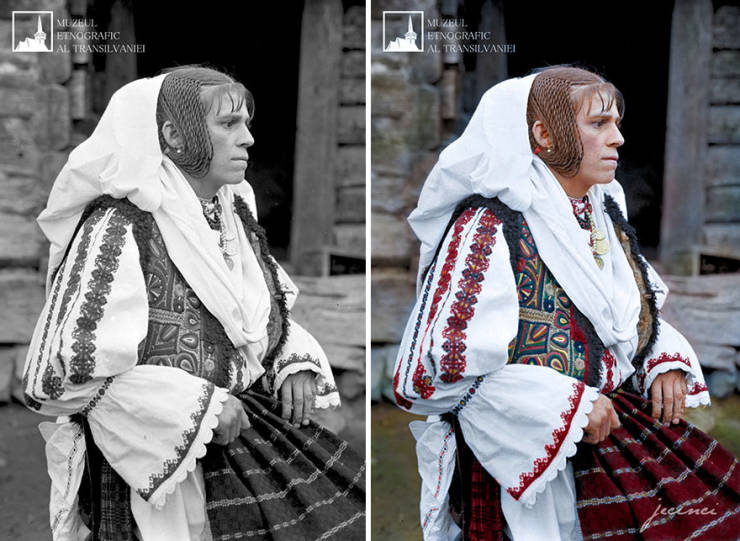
(521, 421)
(302, 352)
(83, 359)
(673, 352)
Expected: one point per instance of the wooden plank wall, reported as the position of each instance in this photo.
(721, 231)
(349, 175)
(329, 179)
(701, 195)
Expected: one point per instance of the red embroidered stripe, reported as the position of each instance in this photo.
(665, 358)
(697, 388)
(610, 362)
(422, 381)
(558, 435)
(445, 275)
(453, 362)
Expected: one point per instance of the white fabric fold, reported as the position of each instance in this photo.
(534, 418)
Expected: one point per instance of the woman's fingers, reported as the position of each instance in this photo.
(657, 399)
(286, 391)
(679, 398)
(307, 399)
(667, 403)
(298, 400)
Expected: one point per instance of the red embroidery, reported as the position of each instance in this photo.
(453, 361)
(422, 382)
(610, 362)
(445, 275)
(401, 401)
(697, 388)
(665, 358)
(541, 464)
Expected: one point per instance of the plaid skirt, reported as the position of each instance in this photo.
(276, 482)
(645, 481)
(284, 483)
(656, 482)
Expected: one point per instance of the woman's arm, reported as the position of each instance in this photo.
(150, 422)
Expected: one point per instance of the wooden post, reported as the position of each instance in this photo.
(316, 137)
(686, 140)
(120, 69)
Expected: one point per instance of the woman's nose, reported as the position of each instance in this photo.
(245, 137)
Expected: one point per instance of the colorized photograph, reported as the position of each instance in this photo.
(182, 267)
(555, 240)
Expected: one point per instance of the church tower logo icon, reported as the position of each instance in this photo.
(25, 40)
(394, 37)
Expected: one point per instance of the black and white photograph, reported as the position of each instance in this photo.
(182, 270)
(555, 254)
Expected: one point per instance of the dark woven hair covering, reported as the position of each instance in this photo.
(184, 99)
(556, 97)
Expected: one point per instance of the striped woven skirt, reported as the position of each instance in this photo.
(656, 482)
(284, 483)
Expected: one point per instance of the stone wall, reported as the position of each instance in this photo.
(406, 134)
(35, 139)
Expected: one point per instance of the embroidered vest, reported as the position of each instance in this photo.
(182, 332)
(552, 331)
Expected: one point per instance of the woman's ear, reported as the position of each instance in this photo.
(541, 135)
(172, 136)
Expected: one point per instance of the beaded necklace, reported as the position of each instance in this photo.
(585, 216)
(212, 212)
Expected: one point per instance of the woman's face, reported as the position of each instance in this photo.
(231, 138)
(600, 135)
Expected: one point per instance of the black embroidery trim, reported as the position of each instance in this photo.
(281, 364)
(95, 399)
(51, 384)
(82, 363)
(170, 465)
(250, 224)
(614, 212)
(326, 389)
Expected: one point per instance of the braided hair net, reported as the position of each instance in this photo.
(556, 97)
(186, 96)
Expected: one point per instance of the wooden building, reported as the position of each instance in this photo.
(304, 64)
(678, 66)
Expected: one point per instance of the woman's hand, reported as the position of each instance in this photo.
(231, 421)
(297, 395)
(601, 421)
(668, 392)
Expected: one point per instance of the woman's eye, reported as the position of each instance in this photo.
(229, 123)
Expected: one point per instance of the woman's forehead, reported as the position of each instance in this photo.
(597, 102)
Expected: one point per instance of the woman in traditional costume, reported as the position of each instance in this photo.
(553, 387)
(166, 346)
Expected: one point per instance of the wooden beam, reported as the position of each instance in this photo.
(686, 139)
(316, 136)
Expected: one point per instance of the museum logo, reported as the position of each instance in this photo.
(403, 31)
(25, 39)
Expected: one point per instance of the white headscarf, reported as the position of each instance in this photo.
(493, 158)
(122, 158)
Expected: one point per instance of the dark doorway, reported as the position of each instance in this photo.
(259, 44)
